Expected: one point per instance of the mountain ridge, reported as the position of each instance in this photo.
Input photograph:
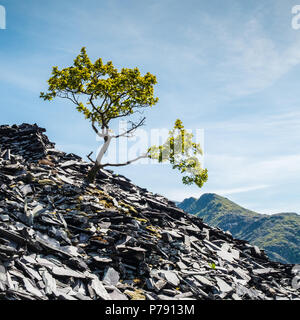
(278, 234)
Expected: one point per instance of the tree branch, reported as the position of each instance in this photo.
(104, 134)
(66, 96)
(133, 128)
(98, 110)
(96, 130)
(118, 97)
(89, 157)
(125, 163)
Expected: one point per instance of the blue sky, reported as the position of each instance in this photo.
(229, 67)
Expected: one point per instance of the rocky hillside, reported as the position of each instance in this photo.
(278, 234)
(62, 239)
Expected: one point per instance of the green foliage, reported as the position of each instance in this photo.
(182, 153)
(100, 91)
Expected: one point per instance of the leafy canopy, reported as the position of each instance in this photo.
(182, 153)
(100, 91)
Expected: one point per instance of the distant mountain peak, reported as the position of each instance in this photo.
(278, 234)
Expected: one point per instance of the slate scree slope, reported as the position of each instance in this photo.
(112, 240)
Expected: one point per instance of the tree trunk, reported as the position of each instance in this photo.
(97, 166)
(92, 173)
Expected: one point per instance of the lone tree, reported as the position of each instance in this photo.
(102, 94)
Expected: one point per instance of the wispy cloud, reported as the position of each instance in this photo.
(270, 122)
(20, 80)
(239, 190)
(244, 171)
(251, 60)
(258, 62)
(182, 194)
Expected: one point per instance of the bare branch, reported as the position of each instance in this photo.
(104, 133)
(98, 110)
(132, 129)
(125, 163)
(74, 100)
(65, 96)
(118, 97)
(95, 129)
(93, 106)
(122, 115)
(73, 94)
(89, 157)
(103, 102)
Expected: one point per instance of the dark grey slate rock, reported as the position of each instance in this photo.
(50, 283)
(170, 277)
(111, 276)
(223, 286)
(66, 272)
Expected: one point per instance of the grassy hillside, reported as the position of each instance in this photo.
(278, 235)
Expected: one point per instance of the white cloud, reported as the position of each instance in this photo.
(257, 60)
(272, 122)
(183, 193)
(233, 171)
(20, 79)
(248, 60)
(279, 209)
(226, 192)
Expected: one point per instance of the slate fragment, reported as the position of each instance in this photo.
(99, 289)
(111, 276)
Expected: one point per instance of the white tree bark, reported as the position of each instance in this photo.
(107, 139)
(105, 146)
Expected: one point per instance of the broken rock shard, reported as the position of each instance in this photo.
(112, 240)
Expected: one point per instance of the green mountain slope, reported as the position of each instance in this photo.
(278, 234)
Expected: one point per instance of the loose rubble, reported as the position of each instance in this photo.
(112, 240)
